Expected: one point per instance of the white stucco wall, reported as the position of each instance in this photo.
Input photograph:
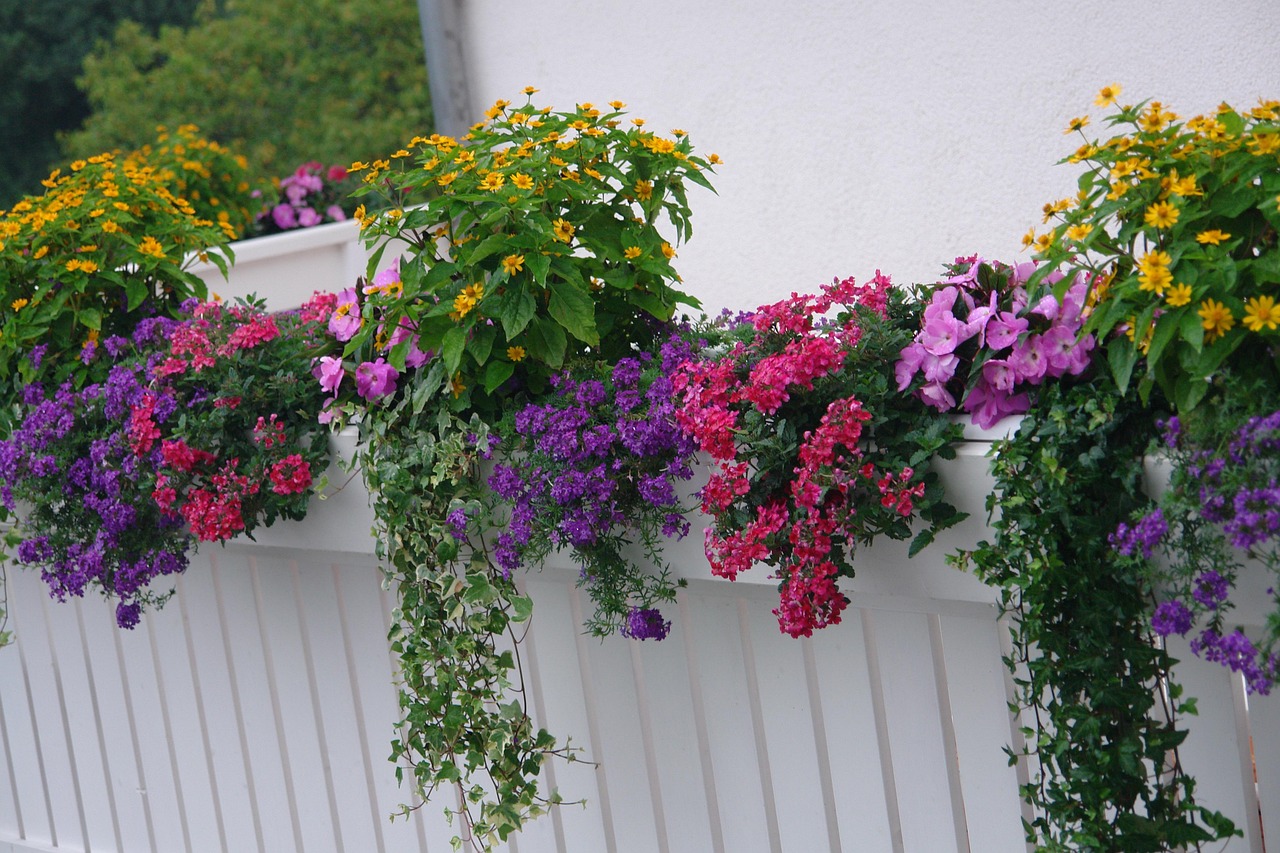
(893, 134)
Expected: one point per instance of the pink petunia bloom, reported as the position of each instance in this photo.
(335, 213)
(936, 394)
(375, 379)
(308, 217)
(329, 371)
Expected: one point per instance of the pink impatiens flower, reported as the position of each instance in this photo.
(345, 321)
(329, 371)
(376, 379)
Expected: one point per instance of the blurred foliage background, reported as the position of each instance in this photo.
(282, 82)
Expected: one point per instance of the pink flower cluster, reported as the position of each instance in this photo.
(307, 197)
(375, 379)
(813, 503)
(981, 341)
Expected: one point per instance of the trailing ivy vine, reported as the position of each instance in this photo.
(1093, 687)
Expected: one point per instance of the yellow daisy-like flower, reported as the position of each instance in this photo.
(563, 230)
(617, 105)
(1261, 311)
(1162, 214)
(447, 178)
(1044, 242)
(644, 190)
(529, 90)
(516, 353)
(1107, 95)
(1079, 232)
(523, 182)
(513, 264)
(493, 182)
(631, 252)
(1077, 123)
(1028, 238)
(1216, 319)
(19, 304)
(89, 267)
(1214, 237)
(110, 226)
(1156, 280)
(1154, 260)
(714, 160)
(40, 252)
(151, 246)
(456, 385)
(1178, 295)
(667, 251)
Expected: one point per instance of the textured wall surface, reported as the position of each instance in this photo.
(868, 134)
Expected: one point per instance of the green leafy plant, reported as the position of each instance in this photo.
(534, 242)
(1094, 689)
(109, 241)
(1175, 224)
(539, 234)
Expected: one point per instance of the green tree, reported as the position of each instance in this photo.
(42, 49)
(281, 82)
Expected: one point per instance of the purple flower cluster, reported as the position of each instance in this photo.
(1238, 652)
(1006, 343)
(593, 468)
(646, 623)
(1171, 617)
(1143, 537)
(92, 523)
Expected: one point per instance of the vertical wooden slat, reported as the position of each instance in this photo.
(769, 803)
(887, 773)
(825, 783)
(268, 649)
(169, 693)
(594, 738)
(96, 710)
(135, 742)
(650, 753)
(73, 771)
(947, 725)
(687, 631)
(361, 734)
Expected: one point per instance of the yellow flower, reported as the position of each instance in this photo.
(151, 246)
(667, 251)
(563, 230)
(1261, 311)
(1162, 214)
(638, 122)
(529, 90)
(523, 182)
(1155, 118)
(1044, 242)
(1107, 95)
(492, 181)
(1079, 232)
(1154, 260)
(1178, 295)
(617, 105)
(1155, 280)
(88, 266)
(19, 304)
(631, 252)
(40, 252)
(1077, 123)
(357, 167)
(644, 190)
(516, 353)
(1216, 319)
(110, 226)
(456, 385)
(1214, 236)
(513, 264)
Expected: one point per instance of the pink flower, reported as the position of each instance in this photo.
(335, 213)
(290, 475)
(1003, 331)
(308, 217)
(936, 394)
(284, 216)
(337, 173)
(329, 371)
(375, 379)
(345, 321)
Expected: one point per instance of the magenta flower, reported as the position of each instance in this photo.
(335, 213)
(1003, 331)
(375, 379)
(284, 216)
(329, 371)
(308, 217)
(345, 321)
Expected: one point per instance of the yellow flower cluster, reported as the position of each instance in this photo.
(466, 300)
